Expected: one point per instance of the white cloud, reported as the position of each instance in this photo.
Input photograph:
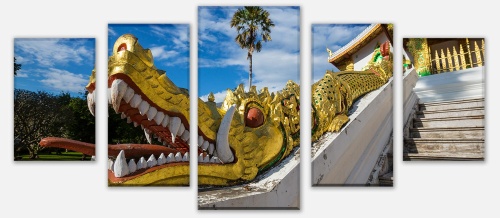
(332, 37)
(179, 34)
(161, 53)
(21, 73)
(49, 52)
(63, 80)
(111, 31)
(219, 96)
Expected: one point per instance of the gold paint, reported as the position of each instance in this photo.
(333, 95)
(455, 58)
(478, 54)
(443, 60)
(450, 64)
(438, 66)
(462, 58)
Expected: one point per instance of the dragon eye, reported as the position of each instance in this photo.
(254, 118)
(122, 47)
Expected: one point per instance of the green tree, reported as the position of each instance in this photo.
(38, 115)
(16, 67)
(254, 26)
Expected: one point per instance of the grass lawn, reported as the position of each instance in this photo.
(71, 155)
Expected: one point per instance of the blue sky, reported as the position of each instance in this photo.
(54, 65)
(169, 44)
(332, 36)
(222, 64)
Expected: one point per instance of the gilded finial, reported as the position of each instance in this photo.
(211, 97)
(329, 52)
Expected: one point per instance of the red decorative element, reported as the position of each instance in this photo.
(385, 49)
(73, 145)
(254, 118)
(122, 47)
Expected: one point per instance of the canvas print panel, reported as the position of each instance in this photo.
(248, 113)
(52, 81)
(444, 99)
(148, 81)
(352, 105)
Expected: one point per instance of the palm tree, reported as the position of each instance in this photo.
(253, 26)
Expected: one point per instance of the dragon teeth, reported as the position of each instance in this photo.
(143, 107)
(185, 135)
(162, 159)
(129, 120)
(165, 121)
(91, 103)
(132, 167)
(178, 157)
(147, 133)
(159, 117)
(123, 116)
(136, 100)
(211, 148)
(120, 168)
(200, 141)
(205, 145)
(151, 161)
(200, 158)
(181, 130)
(129, 94)
(223, 150)
(118, 89)
(141, 164)
(170, 158)
(206, 159)
(109, 95)
(151, 113)
(110, 164)
(185, 158)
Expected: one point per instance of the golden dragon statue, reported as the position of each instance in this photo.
(248, 134)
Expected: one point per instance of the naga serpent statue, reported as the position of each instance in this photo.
(247, 135)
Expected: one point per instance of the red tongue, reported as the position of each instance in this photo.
(131, 150)
(73, 145)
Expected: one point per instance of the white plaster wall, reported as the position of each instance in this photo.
(348, 156)
(277, 188)
(364, 55)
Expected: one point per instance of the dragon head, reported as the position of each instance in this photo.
(146, 97)
(257, 130)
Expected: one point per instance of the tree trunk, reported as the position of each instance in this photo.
(250, 74)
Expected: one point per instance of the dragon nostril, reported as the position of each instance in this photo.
(254, 118)
(122, 47)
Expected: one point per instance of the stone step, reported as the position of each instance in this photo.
(457, 112)
(446, 105)
(455, 146)
(443, 156)
(456, 132)
(465, 121)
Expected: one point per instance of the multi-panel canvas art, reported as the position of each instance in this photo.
(444, 85)
(149, 124)
(352, 101)
(248, 112)
(53, 80)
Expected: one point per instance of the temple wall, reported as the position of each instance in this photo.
(364, 55)
(347, 157)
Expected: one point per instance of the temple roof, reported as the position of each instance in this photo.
(357, 43)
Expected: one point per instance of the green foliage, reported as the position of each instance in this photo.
(119, 131)
(16, 67)
(254, 27)
(40, 114)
